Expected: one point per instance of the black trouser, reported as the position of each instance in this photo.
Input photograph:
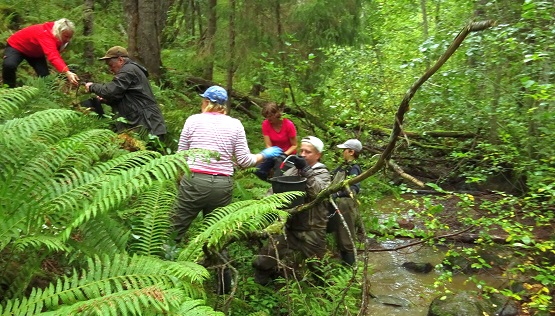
(12, 59)
(95, 105)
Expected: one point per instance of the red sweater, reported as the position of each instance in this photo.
(38, 41)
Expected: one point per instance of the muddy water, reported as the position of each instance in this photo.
(389, 278)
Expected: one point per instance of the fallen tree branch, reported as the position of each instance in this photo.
(419, 242)
(399, 117)
(405, 175)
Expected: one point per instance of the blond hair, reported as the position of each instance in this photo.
(62, 25)
(215, 107)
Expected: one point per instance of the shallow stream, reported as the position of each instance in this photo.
(389, 278)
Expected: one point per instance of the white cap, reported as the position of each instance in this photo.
(353, 144)
(314, 141)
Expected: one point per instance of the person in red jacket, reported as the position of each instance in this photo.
(36, 44)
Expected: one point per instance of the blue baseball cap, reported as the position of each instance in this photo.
(215, 94)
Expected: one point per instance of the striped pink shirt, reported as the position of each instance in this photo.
(217, 132)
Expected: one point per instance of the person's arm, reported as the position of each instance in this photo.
(355, 188)
(267, 141)
(242, 152)
(266, 133)
(114, 90)
(316, 180)
(49, 47)
(185, 138)
(292, 133)
(293, 146)
(355, 171)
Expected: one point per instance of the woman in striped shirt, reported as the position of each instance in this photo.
(210, 183)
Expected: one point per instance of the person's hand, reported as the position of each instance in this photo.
(299, 162)
(271, 152)
(88, 86)
(73, 78)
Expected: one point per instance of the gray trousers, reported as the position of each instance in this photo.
(200, 193)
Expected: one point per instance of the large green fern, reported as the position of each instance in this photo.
(12, 100)
(151, 219)
(236, 221)
(68, 189)
(119, 285)
(56, 179)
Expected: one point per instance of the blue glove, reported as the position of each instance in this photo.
(299, 162)
(271, 152)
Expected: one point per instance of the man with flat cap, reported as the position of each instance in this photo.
(129, 93)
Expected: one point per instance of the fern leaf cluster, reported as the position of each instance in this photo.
(12, 100)
(73, 200)
(116, 286)
(151, 219)
(235, 221)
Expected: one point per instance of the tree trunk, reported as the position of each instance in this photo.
(209, 44)
(198, 13)
(425, 32)
(146, 21)
(88, 23)
(231, 65)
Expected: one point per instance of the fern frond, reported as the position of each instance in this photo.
(149, 300)
(11, 100)
(152, 220)
(39, 241)
(12, 227)
(78, 152)
(235, 221)
(111, 191)
(123, 162)
(113, 279)
(196, 308)
(15, 129)
(103, 236)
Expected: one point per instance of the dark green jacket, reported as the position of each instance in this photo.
(130, 94)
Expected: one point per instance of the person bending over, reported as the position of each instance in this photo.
(36, 44)
(129, 93)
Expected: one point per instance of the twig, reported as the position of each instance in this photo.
(355, 265)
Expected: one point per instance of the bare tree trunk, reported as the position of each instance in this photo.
(199, 18)
(425, 31)
(209, 44)
(231, 65)
(146, 22)
(88, 24)
(132, 11)
(281, 47)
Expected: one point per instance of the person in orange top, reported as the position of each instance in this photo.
(36, 44)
